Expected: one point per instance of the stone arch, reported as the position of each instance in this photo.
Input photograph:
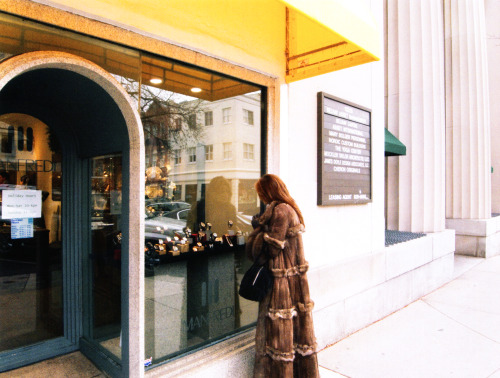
(15, 66)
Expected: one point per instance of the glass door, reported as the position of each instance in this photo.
(31, 267)
(103, 312)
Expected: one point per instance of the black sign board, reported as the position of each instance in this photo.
(344, 152)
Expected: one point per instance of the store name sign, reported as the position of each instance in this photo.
(344, 152)
(28, 165)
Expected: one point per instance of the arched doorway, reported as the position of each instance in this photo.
(72, 150)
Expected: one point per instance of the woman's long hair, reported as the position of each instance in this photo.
(271, 188)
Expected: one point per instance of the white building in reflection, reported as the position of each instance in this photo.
(230, 146)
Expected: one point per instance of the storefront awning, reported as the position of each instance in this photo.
(393, 146)
(328, 35)
(298, 39)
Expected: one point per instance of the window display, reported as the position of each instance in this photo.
(106, 212)
(31, 298)
(199, 203)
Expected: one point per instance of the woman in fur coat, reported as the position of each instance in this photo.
(285, 343)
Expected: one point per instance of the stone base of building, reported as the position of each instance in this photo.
(348, 296)
(476, 237)
(233, 357)
(356, 293)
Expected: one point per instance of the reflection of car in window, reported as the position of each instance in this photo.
(181, 214)
(157, 226)
(167, 206)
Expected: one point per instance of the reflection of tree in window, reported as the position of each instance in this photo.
(169, 120)
(192, 121)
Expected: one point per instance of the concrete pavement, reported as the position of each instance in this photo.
(451, 332)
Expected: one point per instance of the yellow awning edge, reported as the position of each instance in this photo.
(328, 35)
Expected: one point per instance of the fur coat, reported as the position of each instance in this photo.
(285, 343)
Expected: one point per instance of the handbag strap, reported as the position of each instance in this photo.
(256, 261)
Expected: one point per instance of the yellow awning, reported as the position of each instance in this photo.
(328, 35)
(290, 39)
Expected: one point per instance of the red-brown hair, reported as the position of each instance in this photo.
(271, 188)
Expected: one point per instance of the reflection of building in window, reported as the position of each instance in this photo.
(209, 152)
(248, 151)
(225, 152)
(177, 157)
(228, 151)
(192, 154)
(192, 121)
(248, 117)
(226, 115)
(177, 124)
(209, 118)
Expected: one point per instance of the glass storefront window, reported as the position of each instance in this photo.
(31, 300)
(106, 236)
(19, 36)
(202, 160)
(199, 203)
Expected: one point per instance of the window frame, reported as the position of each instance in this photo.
(209, 118)
(191, 152)
(248, 118)
(177, 156)
(209, 153)
(226, 118)
(249, 151)
(227, 153)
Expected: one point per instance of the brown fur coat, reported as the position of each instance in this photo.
(285, 343)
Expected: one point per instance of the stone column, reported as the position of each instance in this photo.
(467, 111)
(468, 144)
(492, 15)
(416, 115)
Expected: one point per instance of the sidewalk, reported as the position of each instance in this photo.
(452, 332)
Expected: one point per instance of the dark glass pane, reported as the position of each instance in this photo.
(20, 139)
(31, 304)
(106, 209)
(29, 139)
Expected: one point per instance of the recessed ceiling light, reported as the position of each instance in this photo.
(196, 90)
(156, 80)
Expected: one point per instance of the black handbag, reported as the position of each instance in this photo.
(256, 282)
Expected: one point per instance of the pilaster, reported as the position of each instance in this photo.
(467, 111)
(416, 115)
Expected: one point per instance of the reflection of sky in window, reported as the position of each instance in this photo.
(132, 88)
(167, 95)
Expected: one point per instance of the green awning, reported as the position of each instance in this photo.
(393, 146)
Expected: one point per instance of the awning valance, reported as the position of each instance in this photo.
(328, 35)
(393, 146)
(295, 38)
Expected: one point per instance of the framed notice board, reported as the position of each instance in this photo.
(344, 152)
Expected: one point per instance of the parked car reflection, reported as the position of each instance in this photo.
(180, 214)
(158, 226)
(163, 207)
